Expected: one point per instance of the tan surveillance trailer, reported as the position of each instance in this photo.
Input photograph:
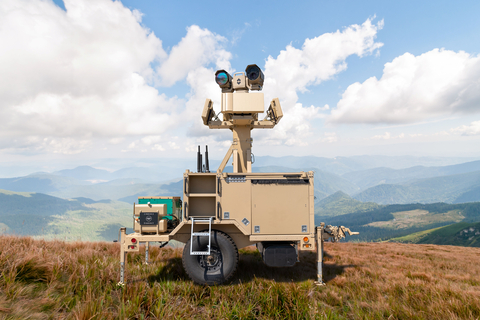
(223, 212)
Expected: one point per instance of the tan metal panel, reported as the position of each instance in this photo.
(202, 183)
(248, 102)
(227, 102)
(280, 208)
(160, 209)
(201, 206)
(242, 102)
(236, 200)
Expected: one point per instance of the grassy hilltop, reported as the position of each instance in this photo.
(54, 279)
(460, 234)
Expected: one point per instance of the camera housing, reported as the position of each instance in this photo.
(236, 95)
(224, 80)
(255, 77)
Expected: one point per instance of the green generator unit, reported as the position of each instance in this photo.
(174, 208)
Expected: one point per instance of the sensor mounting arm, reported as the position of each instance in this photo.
(240, 109)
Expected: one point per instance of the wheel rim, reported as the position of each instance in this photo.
(212, 262)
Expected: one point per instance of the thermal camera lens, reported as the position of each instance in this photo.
(221, 78)
(253, 72)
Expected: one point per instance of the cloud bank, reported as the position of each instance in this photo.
(414, 88)
(77, 74)
(94, 72)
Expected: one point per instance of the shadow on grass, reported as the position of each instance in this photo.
(251, 267)
(171, 271)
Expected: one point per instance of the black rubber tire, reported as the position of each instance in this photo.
(215, 269)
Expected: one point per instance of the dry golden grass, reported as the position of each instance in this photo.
(58, 280)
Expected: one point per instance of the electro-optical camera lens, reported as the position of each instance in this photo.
(253, 72)
(221, 78)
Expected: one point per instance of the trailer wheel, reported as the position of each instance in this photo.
(216, 268)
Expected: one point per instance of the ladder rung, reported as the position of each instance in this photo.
(199, 253)
(201, 234)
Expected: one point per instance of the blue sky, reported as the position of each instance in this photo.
(90, 79)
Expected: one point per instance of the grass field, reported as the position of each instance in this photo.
(78, 280)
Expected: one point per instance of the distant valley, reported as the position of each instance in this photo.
(383, 222)
(47, 217)
(461, 234)
(365, 193)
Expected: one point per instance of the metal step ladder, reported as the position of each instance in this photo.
(201, 234)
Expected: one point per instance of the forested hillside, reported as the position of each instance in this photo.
(44, 216)
(391, 221)
(458, 234)
(30, 213)
(341, 203)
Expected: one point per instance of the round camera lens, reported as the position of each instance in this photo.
(221, 78)
(253, 73)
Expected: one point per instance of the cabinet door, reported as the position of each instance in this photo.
(280, 209)
(236, 201)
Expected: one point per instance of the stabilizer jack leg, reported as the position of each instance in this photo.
(122, 256)
(146, 252)
(319, 243)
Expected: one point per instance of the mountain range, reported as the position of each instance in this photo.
(353, 176)
(455, 188)
(380, 202)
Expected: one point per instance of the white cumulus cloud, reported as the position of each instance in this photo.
(198, 48)
(91, 72)
(468, 130)
(414, 88)
(319, 59)
(388, 136)
(330, 137)
(83, 72)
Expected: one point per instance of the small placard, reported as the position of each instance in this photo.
(148, 218)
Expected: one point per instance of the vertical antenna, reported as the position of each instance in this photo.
(199, 160)
(207, 166)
